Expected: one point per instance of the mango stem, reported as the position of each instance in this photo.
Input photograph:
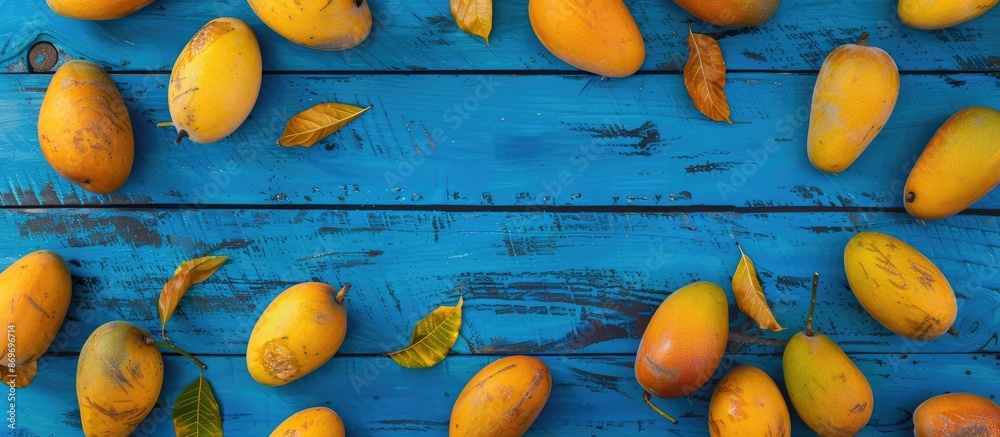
(180, 136)
(645, 397)
(165, 345)
(863, 40)
(342, 293)
(953, 332)
(812, 305)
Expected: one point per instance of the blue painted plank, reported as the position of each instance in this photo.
(590, 395)
(500, 140)
(533, 283)
(418, 35)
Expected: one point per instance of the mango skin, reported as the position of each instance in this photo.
(855, 94)
(959, 166)
(36, 292)
(311, 422)
(502, 400)
(826, 388)
(731, 12)
(939, 14)
(22, 374)
(215, 82)
(96, 9)
(297, 333)
(956, 414)
(899, 286)
(747, 402)
(317, 24)
(597, 36)
(118, 379)
(84, 129)
(684, 342)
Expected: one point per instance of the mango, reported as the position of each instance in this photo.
(939, 14)
(854, 96)
(317, 24)
(96, 9)
(956, 414)
(22, 374)
(731, 12)
(598, 36)
(297, 333)
(899, 286)
(747, 402)
(84, 129)
(502, 400)
(215, 82)
(311, 422)
(959, 166)
(36, 291)
(118, 379)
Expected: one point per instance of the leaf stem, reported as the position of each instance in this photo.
(645, 397)
(863, 40)
(165, 345)
(812, 305)
(342, 293)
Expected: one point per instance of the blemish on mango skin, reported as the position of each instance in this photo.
(207, 35)
(279, 361)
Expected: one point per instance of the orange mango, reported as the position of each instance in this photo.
(36, 291)
(747, 402)
(598, 36)
(731, 12)
(502, 400)
(311, 422)
(96, 9)
(956, 414)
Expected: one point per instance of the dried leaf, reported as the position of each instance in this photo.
(308, 127)
(433, 337)
(187, 274)
(196, 412)
(705, 76)
(201, 268)
(750, 294)
(475, 17)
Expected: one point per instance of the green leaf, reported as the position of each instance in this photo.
(433, 337)
(196, 413)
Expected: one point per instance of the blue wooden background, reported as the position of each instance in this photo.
(563, 206)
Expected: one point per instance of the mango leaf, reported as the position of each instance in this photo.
(705, 76)
(23, 374)
(196, 412)
(750, 294)
(475, 17)
(308, 127)
(433, 337)
(187, 274)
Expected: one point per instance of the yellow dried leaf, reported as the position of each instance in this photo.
(201, 268)
(433, 337)
(474, 17)
(308, 127)
(187, 274)
(750, 294)
(705, 76)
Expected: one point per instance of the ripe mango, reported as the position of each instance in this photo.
(311, 422)
(297, 333)
(118, 379)
(731, 12)
(956, 414)
(502, 400)
(318, 24)
(36, 291)
(215, 81)
(899, 286)
(747, 402)
(96, 9)
(854, 96)
(598, 36)
(939, 14)
(959, 166)
(84, 128)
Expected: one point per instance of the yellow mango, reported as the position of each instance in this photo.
(598, 36)
(215, 81)
(854, 96)
(899, 286)
(84, 128)
(96, 9)
(731, 12)
(747, 402)
(959, 166)
(297, 333)
(118, 379)
(939, 14)
(318, 24)
(36, 291)
(311, 422)
(502, 400)
(957, 415)
(22, 374)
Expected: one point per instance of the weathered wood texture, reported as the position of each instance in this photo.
(590, 396)
(533, 283)
(416, 35)
(500, 140)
